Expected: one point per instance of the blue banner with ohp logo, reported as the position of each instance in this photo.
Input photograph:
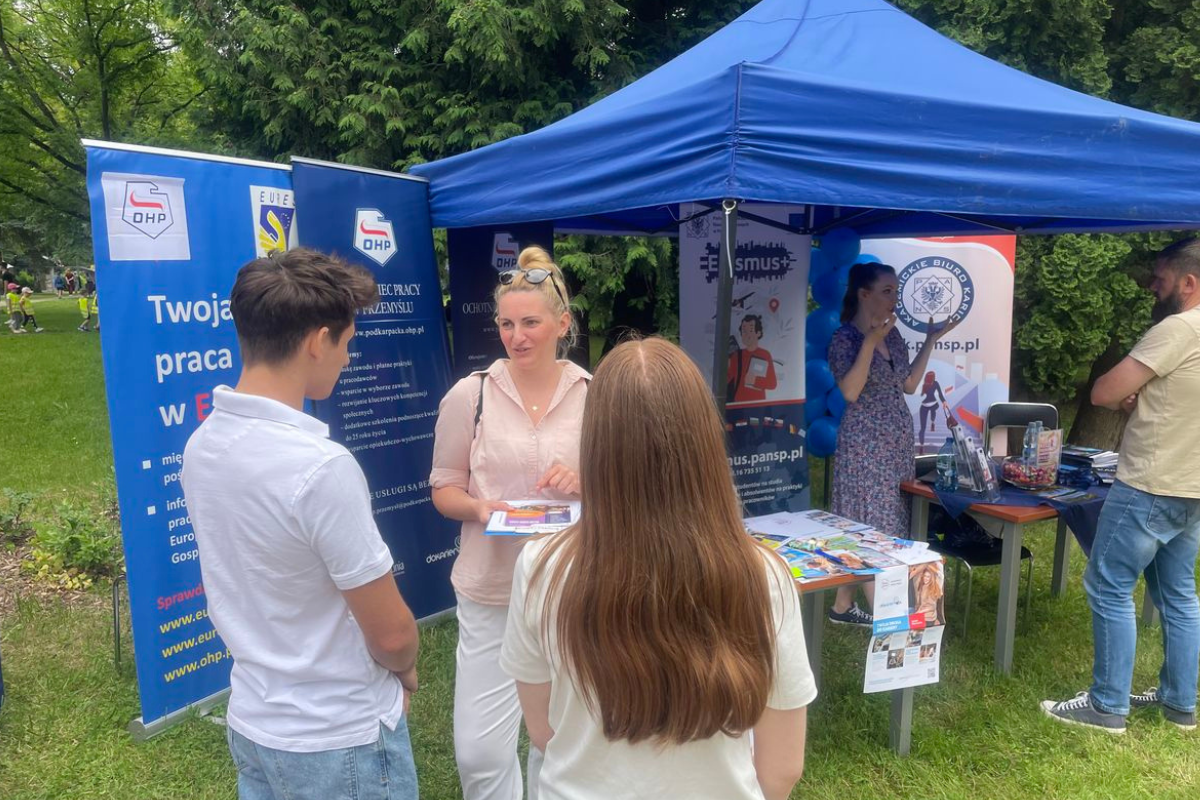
(170, 231)
(477, 257)
(385, 405)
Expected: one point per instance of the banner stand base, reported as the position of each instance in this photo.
(142, 732)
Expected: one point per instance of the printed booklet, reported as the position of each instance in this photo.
(533, 516)
(817, 544)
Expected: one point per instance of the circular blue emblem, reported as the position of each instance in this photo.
(934, 286)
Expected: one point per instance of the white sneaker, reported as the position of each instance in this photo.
(38, 330)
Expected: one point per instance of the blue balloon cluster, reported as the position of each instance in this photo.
(829, 275)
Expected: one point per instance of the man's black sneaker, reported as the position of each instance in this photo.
(1080, 711)
(1184, 720)
(852, 616)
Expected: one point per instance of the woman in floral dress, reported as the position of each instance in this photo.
(869, 359)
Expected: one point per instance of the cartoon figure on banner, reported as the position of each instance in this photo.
(751, 368)
(753, 371)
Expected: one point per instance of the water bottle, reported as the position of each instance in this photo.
(947, 469)
(1029, 451)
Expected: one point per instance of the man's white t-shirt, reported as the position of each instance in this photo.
(283, 523)
(581, 764)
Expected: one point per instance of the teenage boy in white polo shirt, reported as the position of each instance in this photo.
(298, 580)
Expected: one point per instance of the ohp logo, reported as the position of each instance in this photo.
(145, 217)
(147, 208)
(935, 287)
(504, 252)
(373, 235)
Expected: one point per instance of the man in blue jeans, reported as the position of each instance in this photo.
(1151, 521)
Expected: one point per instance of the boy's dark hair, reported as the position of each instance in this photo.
(278, 300)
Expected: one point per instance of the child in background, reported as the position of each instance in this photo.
(27, 309)
(12, 302)
(96, 309)
(85, 311)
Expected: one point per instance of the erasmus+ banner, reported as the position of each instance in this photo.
(170, 230)
(385, 405)
(765, 375)
(969, 279)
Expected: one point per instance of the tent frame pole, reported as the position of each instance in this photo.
(725, 265)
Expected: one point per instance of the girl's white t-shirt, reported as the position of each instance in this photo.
(581, 764)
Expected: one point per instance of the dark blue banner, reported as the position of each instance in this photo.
(768, 457)
(477, 256)
(385, 405)
(170, 230)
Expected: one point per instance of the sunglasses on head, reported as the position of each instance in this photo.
(534, 275)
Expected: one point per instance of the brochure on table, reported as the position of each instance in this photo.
(529, 517)
(906, 643)
(817, 544)
(910, 618)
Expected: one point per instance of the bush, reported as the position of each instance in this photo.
(25, 278)
(77, 546)
(15, 529)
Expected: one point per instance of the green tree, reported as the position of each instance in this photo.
(390, 84)
(623, 284)
(1078, 306)
(71, 69)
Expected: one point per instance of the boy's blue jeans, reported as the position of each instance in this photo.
(381, 771)
(1141, 532)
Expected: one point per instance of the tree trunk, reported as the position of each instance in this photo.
(1095, 426)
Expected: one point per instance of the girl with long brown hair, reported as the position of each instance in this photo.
(648, 640)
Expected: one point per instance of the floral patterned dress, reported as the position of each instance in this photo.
(875, 439)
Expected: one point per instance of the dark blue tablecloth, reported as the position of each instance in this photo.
(1080, 510)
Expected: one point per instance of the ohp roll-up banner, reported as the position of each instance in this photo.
(965, 278)
(170, 230)
(386, 403)
(477, 256)
(765, 377)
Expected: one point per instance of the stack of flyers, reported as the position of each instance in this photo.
(533, 516)
(813, 564)
(830, 520)
(806, 565)
(771, 540)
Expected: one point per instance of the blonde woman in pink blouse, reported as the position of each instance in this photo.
(525, 445)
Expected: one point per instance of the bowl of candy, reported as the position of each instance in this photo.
(1016, 471)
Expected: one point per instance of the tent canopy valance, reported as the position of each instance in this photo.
(852, 107)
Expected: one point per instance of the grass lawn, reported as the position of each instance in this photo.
(976, 734)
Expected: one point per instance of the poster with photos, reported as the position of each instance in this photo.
(910, 619)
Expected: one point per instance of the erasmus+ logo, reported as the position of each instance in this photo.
(934, 287)
(755, 261)
(373, 235)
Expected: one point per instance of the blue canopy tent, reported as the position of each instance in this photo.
(873, 120)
